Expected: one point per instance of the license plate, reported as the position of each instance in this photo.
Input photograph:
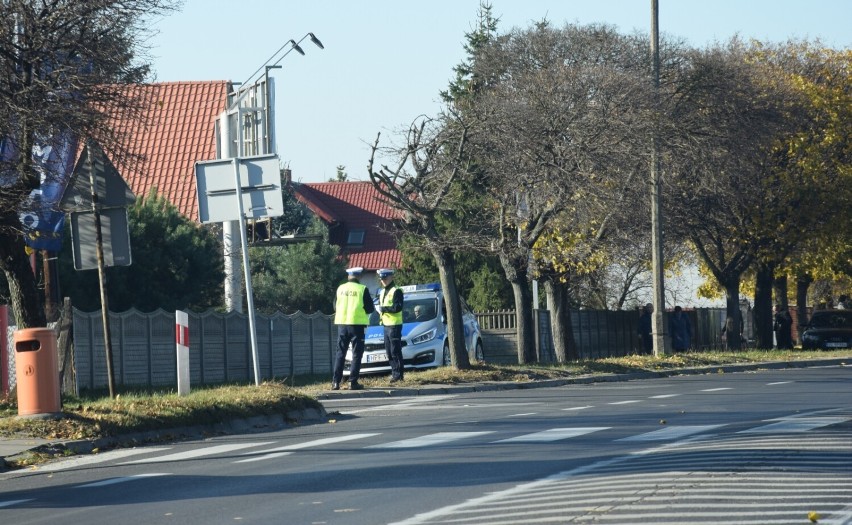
(376, 358)
(835, 345)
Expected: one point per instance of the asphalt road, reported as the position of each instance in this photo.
(758, 447)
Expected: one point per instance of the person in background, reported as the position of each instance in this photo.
(352, 310)
(782, 326)
(644, 329)
(390, 310)
(681, 330)
(728, 329)
(419, 313)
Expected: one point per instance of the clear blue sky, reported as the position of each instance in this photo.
(385, 61)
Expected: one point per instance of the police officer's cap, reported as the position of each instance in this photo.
(355, 272)
(384, 272)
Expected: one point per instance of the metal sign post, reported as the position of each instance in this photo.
(247, 272)
(256, 185)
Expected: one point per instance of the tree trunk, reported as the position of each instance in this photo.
(26, 300)
(780, 285)
(559, 323)
(524, 321)
(803, 282)
(446, 263)
(734, 323)
(763, 305)
(516, 273)
(65, 349)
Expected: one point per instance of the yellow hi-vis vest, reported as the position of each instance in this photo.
(350, 305)
(386, 299)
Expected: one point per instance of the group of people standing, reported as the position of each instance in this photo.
(353, 307)
(680, 329)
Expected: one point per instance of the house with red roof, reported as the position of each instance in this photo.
(178, 129)
(359, 222)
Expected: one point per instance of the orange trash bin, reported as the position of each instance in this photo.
(37, 371)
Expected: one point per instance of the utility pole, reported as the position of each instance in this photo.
(658, 317)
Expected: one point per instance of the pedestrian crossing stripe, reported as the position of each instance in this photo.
(197, 453)
(430, 440)
(671, 433)
(553, 434)
(124, 479)
(286, 450)
(796, 425)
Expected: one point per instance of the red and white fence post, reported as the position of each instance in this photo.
(182, 341)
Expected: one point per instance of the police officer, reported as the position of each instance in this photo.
(390, 308)
(352, 309)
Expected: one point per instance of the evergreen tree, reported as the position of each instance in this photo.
(297, 277)
(177, 264)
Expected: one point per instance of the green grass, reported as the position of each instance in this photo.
(95, 415)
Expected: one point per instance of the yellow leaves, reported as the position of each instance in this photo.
(814, 516)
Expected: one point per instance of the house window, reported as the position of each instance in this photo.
(355, 238)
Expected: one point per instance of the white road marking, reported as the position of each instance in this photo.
(287, 450)
(124, 479)
(579, 408)
(82, 461)
(795, 425)
(197, 453)
(716, 389)
(671, 433)
(412, 406)
(553, 434)
(664, 396)
(629, 401)
(778, 383)
(426, 399)
(429, 440)
(13, 502)
(524, 414)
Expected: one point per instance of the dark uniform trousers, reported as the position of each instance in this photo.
(347, 334)
(393, 348)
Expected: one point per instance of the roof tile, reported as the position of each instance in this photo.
(177, 130)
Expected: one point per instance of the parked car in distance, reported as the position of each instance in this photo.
(828, 329)
(424, 333)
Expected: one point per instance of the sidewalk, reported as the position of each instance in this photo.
(11, 447)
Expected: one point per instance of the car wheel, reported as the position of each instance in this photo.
(447, 360)
(479, 354)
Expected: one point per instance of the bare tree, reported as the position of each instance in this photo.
(65, 65)
(424, 184)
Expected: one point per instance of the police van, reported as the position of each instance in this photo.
(424, 333)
